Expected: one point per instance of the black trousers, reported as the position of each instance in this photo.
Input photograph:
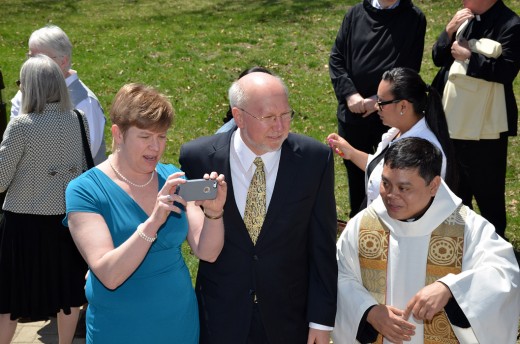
(482, 171)
(364, 135)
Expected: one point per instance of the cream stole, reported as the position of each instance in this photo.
(444, 257)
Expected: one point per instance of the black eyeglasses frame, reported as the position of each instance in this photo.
(380, 104)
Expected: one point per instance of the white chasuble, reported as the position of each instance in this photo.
(444, 256)
(486, 289)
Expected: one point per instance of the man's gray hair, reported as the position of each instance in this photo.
(53, 39)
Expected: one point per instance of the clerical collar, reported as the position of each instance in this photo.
(413, 219)
(376, 4)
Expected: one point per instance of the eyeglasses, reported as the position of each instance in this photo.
(380, 104)
(29, 55)
(285, 117)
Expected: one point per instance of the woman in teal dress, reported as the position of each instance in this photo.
(129, 225)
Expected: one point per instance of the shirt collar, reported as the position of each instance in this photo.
(377, 5)
(71, 78)
(492, 13)
(246, 156)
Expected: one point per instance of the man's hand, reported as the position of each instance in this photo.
(370, 105)
(356, 103)
(457, 20)
(460, 50)
(318, 336)
(428, 301)
(388, 321)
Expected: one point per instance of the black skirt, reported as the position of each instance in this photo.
(41, 270)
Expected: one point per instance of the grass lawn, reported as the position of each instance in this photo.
(192, 51)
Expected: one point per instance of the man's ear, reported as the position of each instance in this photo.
(434, 185)
(64, 62)
(238, 116)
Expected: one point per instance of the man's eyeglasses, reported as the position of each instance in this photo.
(29, 55)
(380, 104)
(285, 117)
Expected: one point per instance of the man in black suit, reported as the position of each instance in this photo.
(279, 287)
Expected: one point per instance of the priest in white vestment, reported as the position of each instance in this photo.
(393, 258)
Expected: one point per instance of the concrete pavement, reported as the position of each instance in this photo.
(46, 331)
(39, 332)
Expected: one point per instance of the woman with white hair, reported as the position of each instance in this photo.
(42, 272)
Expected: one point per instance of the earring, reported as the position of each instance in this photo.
(401, 113)
(118, 149)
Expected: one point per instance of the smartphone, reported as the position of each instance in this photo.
(198, 189)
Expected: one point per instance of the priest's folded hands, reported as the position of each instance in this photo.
(390, 322)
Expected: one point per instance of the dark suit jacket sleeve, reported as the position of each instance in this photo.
(193, 157)
(323, 269)
(183, 161)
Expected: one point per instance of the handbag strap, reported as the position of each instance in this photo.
(370, 169)
(375, 162)
(86, 147)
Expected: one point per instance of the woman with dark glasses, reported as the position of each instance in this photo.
(411, 108)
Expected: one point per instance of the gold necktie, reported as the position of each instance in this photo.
(255, 202)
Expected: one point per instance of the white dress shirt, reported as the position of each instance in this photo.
(377, 5)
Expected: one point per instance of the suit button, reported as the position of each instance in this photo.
(255, 257)
(253, 295)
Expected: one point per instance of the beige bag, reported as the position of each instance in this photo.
(475, 108)
(486, 47)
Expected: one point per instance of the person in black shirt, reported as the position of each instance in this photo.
(375, 36)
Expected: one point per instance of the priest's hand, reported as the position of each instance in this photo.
(428, 301)
(460, 50)
(458, 19)
(388, 321)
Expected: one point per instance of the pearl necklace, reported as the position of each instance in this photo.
(126, 180)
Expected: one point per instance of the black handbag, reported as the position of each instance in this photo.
(86, 147)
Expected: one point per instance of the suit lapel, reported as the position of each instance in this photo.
(219, 157)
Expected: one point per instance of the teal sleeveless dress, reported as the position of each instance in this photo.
(157, 303)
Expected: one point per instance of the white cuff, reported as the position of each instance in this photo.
(320, 327)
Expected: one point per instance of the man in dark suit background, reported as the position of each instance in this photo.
(279, 287)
